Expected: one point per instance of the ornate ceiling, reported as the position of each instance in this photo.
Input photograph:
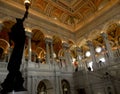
(70, 14)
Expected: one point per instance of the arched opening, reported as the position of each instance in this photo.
(41, 88)
(65, 87)
(45, 87)
(57, 48)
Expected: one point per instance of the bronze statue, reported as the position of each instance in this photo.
(14, 80)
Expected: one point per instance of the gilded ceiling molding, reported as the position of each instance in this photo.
(48, 9)
(93, 6)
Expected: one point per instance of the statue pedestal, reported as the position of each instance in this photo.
(19, 92)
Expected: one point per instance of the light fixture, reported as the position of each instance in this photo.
(27, 4)
(55, 18)
(90, 64)
(102, 59)
(73, 60)
(54, 55)
(87, 54)
(98, 49)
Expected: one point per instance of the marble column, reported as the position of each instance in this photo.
(92, 51)
(47, 41)
(29, 49)
(79, 57)
(52, 51)
(68, 60)
(65, 46)
(29, 36)
(62, 62)
(34, 57)
(107, 44)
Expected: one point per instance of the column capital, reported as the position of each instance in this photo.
(104, 35)
(48, 40)
(28, 34)
(78, 49)
(89, 43)
(65, 45)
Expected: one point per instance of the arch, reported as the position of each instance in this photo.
(7, 25)
(73, 53)
(40, 55)
(8, 18)
(71, 43)
(40, 52)
(38, 39)
(35, 27)
(37, 44)
(57, 44)
(94, 33)
(65, 86)
(105, 27)
(4, 44)
(61, 53)
(82, 42)
(112, 32)
(45, 87)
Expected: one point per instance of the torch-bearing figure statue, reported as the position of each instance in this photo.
(14, 80)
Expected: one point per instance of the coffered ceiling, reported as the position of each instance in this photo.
(70, 14)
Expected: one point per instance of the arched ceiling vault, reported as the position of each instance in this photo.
(69, 14)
